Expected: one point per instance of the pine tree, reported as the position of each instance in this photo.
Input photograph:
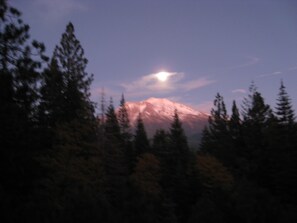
(177, 135)
(219, 118)
(235, 121)
(51, 108)
(69, 55)
(20, 65)
(284, 110)
(161, 142)
(236, 139)
(124, 121)
(256, 125)
(112, 127)
(215, 137)
(72, 160)
(285, 155)
(141, 142)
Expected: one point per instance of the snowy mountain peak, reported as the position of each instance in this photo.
(158, 113)
(160, 109)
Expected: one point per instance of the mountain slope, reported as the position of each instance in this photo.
(158, 113)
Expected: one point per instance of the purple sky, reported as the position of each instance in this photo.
(208, 46)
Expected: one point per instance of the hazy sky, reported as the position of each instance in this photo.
(208, 46)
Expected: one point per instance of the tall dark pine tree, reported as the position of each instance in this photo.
(72, 63)
(51, 108)
(236, 138)
(72, 157)
(141, 142)
(285, 154)
(177, 134)
(214, 138)
(161, 142)
(116, 165)
(284, 110)
(257, 119)
(124, 121)
(176, 168)
(112, 127)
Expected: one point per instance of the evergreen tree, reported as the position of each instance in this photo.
(237, 141)
(72, 160)
(177, 165)
(284, 145)
(257, 119)
(51, 108)
(20, 65)
(235, 121)
(71, 61)
(177, 135)
(215, 138)
(219, 118)
(161, 142)
(112, 127)
(124, 121)
(284, 110)
(141, 142)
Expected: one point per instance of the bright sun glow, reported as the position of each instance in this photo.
(162, 76)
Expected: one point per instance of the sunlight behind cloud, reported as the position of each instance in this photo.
(156, 83)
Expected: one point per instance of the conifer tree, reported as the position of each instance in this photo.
(215, 137)
(284, 110)
(161, 142)
(175, 172)
(141, 142)
(124, 121)
(218, 119)
(20, 63)
(51, 108)
(177, 135)
(256, 125)
(71, 61)
(72, 158)
(112, 127)
(235, 121)
(20, 66)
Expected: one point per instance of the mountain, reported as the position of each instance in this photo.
(158, 113)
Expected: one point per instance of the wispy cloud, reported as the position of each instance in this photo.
(269, 74)
(251, 61)
(195, 84)
(239, 90)
(150, 85)
(292, 68)
(54, 10)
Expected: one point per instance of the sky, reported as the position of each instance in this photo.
(206, 46)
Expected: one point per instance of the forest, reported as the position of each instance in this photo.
(60, 162)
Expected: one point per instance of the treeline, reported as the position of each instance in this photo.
(61, 163)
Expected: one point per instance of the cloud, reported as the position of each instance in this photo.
(54, 10)
(239, 90)
(251, 61)
(150, 85)
(195, 84)
(292, 68)
(269, 74)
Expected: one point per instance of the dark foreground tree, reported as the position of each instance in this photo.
(20, 63)
(141, 142)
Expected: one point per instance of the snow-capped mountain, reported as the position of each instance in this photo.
(158, 113)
